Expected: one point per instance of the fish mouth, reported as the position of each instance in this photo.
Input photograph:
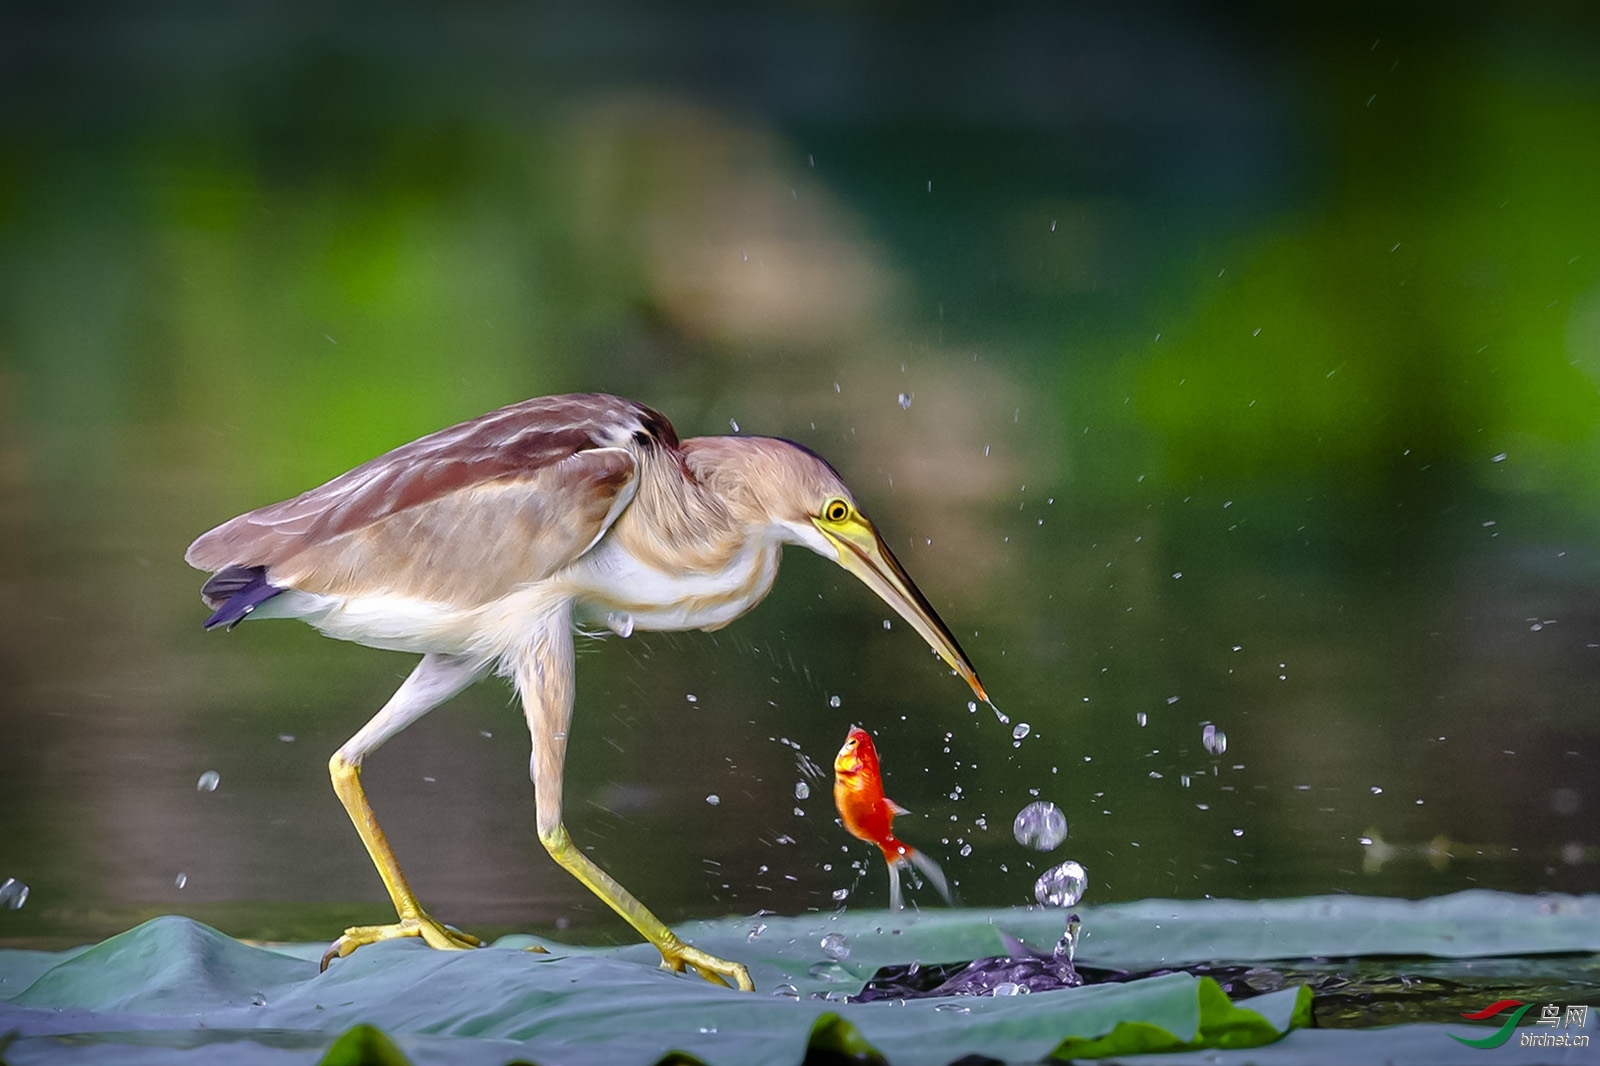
(862, 552)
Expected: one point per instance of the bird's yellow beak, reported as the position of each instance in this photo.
(863, 553)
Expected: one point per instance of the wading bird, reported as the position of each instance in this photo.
(483, 546)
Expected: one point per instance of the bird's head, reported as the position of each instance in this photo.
(801, 499)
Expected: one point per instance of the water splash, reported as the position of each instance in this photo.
(1040, 825)
(1061, 886)
(13, 894)
(1067, 946)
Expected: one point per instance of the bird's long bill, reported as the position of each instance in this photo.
(863, 553)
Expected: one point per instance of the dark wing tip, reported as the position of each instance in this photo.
(235, 591)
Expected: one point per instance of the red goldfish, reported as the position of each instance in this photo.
(869, 815)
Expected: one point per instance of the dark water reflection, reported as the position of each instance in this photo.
(1243, 406)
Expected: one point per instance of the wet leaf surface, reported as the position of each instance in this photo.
(173, 990)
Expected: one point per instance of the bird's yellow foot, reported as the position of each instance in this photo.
(434, 933)
(678, 957)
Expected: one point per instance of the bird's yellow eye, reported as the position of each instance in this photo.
(836, 510)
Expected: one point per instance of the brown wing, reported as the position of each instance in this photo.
(462, 515)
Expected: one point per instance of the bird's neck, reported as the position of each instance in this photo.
(678, 523)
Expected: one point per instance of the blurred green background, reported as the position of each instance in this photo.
(1236, 364)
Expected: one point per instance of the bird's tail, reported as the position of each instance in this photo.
(235, 591)
(922, 864)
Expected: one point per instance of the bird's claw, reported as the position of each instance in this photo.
(435, 934)
(679, 957)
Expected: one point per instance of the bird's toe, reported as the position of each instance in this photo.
(682, 957)
(431, 932)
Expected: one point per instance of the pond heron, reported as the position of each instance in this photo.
(486, 545)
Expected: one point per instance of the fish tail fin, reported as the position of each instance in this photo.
(931, 870)
(897, 902)
(923, 865)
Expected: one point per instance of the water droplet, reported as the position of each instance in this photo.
(840, 895)
(997, 713)
(1009, 988)
(1022, 730)
(1068, 944)
(731, 423)
(708, 1028)
(1213, 739)
(1238, 832)
(836, 946)
(1040, 825)
(691, 697)
(905, 401)
(620, 623)
(966, 849)
(1141, 718)
(181, 880)
(787, 991)
(801, 790)
(953, 1008)
(1061, 886)
(208, 781)
(13, 894)
(972, 707)
(834, 701)
(1376, 791)
(287, 738)
(713, 799)
(755, 932)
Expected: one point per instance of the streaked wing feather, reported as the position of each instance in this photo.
(442, 499)
(475, 544)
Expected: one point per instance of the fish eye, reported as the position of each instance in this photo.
(836, 510)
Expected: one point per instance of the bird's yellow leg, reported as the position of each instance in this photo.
(543, 671)
(414, 921)
(675, 954)
(435, 680)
